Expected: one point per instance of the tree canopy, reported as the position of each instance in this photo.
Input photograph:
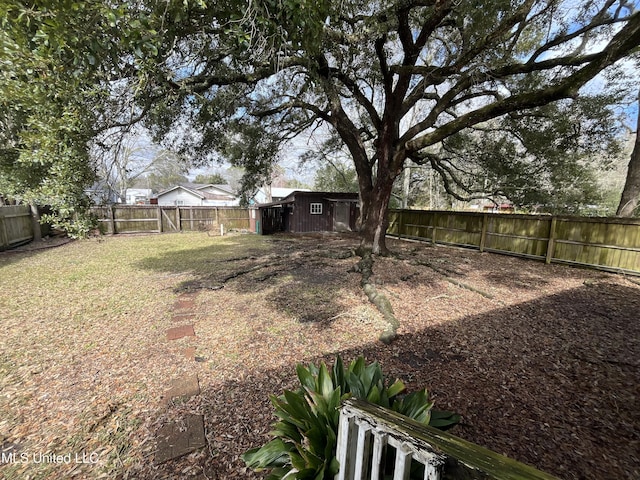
(465, 87)
(213, 178)
(409, 80)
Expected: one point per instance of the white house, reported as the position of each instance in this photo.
(195, 195)
(269, 194)
(138, 196)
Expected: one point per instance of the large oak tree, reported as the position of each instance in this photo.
(394, 80)
(630, 197)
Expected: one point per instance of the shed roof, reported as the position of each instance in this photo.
(329, 196)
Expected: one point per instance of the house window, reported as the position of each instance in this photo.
(316, 209)
(179, 203)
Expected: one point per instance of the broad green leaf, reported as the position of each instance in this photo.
(272, 454)
(357, 366)
(305, 377)
(324, 383)
(338, 374)
(395, 389)
(443, 419)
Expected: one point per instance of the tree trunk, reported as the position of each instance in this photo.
(35, 220)
(631, 192)
(375, 222)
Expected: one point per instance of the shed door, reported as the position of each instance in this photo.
(341, 217)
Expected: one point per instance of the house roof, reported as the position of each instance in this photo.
(139, 191)
(197, 192)
(200, 186)
(330, 196)
(181, 187)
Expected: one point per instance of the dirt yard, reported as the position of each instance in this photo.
(542, 361)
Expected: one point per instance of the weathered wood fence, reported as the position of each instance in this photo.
(376, 443)
(157, 219)
(16, 225)
(610, 244)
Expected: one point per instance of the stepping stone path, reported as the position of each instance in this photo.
(187, 434)
(181, 331)
(178, 439)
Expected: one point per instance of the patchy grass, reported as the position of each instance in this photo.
(83, 360)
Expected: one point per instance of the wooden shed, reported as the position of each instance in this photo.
(302, 212)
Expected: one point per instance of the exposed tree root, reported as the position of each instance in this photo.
(455, 282)
(244, 272)
(365, 266)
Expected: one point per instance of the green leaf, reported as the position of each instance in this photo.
(272, 454)
(338, 374)
(357, 366)
(355, 386)
(287, 430)
(305, 377)
(324, 384)
(374, 395)
(395, 389)
(111, 18)
(443, 419)
(416, 405)
(280, 473)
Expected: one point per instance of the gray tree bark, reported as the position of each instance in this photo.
(631, 192)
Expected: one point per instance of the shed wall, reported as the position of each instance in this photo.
(302, 220)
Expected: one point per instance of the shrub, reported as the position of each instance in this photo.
(305, 440)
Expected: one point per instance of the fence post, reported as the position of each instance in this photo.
(35, 223)
(178, 219)
(483, 235)
(159, 210)
(3, 231)
(112, 219)
(552, 240)
(400, 222)
(434, 228)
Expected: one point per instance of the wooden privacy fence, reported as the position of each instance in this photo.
(16, 225)
(611, 244)
(156, 218)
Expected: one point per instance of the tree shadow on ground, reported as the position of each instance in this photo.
(551, 382)
(300, 275)
(31, 249)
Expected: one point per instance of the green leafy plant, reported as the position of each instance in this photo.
(305, 440)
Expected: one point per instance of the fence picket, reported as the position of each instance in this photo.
(152, 218)
(16, 225)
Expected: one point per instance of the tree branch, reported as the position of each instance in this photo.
(624, 41)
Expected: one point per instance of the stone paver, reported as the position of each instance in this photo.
(183, 387)
(186, 301)
(182, 317)
(179, 438)
(181, 331)
(190, 353)
(187, 434)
